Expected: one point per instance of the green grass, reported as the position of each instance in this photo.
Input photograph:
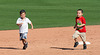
(48, 13)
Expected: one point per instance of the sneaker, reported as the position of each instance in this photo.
(25, 46)
(84, 46)
(76, 44)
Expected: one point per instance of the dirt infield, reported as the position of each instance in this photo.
(49, 41)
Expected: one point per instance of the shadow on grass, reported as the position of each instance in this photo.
(64, 48)
(10, 48)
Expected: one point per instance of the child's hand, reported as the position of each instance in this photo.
(78, 25)
(32, 28)
(74, 27)
(21, 23)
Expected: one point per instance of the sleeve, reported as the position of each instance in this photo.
(17, 22)
(29, 21)
(83, 21)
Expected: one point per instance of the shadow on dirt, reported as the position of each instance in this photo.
(10, 48)
(64, 48)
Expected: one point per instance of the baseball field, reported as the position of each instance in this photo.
(53, 22)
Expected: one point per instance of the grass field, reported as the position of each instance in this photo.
(48, 13)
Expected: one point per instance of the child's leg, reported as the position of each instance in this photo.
(83, 37)
(75, 40)
(23, 37)
(76, 34)
(24, 41)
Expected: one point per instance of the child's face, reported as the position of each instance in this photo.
(23, 15)
(79, 13)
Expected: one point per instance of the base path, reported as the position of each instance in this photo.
(50, 41)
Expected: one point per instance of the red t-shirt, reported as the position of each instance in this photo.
(80, 21)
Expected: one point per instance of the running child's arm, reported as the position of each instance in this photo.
(31, 25)
(75, 26)
(81, 25)
(19, 24)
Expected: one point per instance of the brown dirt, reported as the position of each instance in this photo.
(49, 41)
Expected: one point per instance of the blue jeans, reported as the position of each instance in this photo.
(23, 35)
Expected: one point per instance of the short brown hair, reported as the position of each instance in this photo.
(22, 11)
(80, 10)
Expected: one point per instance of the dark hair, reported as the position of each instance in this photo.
(80, 10)
(22, 11)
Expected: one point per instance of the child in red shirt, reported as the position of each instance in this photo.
(80, 29)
